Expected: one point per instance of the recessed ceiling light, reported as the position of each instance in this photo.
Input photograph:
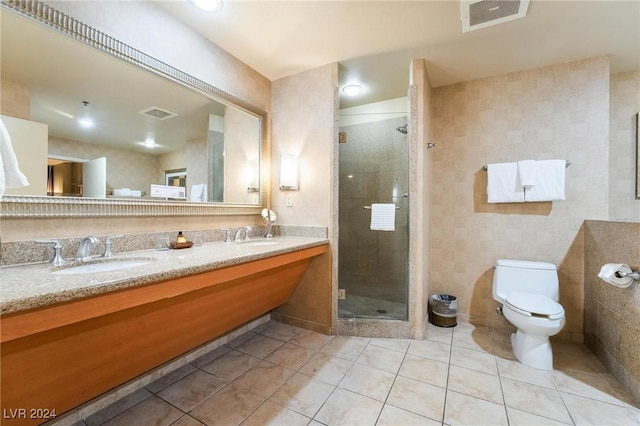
(209, 5)
(352, 90)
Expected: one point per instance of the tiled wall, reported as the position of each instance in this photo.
(560, 111)
(625, 104)
(612, 314)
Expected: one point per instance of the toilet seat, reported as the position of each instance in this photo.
(534, 305)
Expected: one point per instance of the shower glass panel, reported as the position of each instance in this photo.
(373, 265)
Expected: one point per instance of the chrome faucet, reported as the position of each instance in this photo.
(84, 248)
(238, 235)
(107, 246)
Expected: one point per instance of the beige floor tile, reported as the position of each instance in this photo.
(230, 406)
(393, 416)
(170, 378)
(210, 356)
(515, 370)
(476, 384)
(534, 399)
(502, 349)
(344, 408)
(241, 339)
(574, 362)
(280, 331)
(187, 420)
(420, 398)
(152, 411)
(474, 360)
(191, 390)
(326, 368)
(587, 411)
(475, 341)
(587, 385)
(271, 414)
(383, 359)
(466, 410)
(230, 365)
(263, 378)
(436, 351)
(468, 328)
(310, 339)
(522, 418)
(345, 347)
(620, 392)
(501, 334)
(424, 370)
(291, 356)
(302, 394)
(399, 345)
(368, 381)
(117, 407)
(438, 334)
(259, 346)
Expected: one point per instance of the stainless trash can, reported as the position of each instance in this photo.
(443, 310)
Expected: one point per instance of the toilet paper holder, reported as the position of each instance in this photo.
(635, 275)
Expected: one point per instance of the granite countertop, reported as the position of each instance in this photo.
(29, 286)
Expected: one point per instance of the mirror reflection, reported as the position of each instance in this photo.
(86, 124)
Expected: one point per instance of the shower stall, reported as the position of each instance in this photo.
(372, 264)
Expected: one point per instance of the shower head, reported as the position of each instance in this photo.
(402, 129)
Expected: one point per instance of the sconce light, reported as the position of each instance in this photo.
(252, 176)
(289, 173)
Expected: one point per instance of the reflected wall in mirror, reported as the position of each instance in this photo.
(637, 120)
(84, 103)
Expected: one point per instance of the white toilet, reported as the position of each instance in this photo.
(529, 294)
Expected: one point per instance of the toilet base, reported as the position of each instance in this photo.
(532, 350)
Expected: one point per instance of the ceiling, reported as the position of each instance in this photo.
(374, 41)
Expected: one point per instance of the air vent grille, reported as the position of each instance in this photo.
(483, 13)
(157, 113)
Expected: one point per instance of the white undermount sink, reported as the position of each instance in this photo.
(102, 266)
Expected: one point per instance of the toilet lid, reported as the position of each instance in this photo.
(535, 305)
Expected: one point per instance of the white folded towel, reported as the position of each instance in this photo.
(122, 192)
(383, 217)
(550, 179)
(502, 183)
(527, 173)
(198, 192)
(10, 174)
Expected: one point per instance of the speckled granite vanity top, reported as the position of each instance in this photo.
(36, 285)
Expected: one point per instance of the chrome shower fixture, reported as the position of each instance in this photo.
(402, 129)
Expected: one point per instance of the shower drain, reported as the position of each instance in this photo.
(381, 311)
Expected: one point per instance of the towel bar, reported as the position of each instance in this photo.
(369, 207)
(568, 164)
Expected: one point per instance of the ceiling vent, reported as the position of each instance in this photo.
(157, 113)
(476, 14)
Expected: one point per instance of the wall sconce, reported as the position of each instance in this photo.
(289, 173)
(252, 176)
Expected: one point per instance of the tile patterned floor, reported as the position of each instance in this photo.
(282, 375)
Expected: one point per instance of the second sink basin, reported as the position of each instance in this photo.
(102, 266)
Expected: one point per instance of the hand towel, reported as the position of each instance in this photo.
(502, 183)
(527, 173)
(10, 174)
(383, 217)
(197, 192)
(550, 179)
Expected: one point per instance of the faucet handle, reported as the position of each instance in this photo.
(57, 258)
(227, 238)
(107, 245)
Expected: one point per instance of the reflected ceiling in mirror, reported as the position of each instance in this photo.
(189, 118)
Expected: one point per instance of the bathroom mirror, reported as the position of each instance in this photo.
(149, 120)
(638, 156)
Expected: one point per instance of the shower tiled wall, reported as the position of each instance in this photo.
(559, 111)
(612, 314)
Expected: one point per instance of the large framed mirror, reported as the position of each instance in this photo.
(79, 97)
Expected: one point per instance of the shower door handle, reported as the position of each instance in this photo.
(369, 207)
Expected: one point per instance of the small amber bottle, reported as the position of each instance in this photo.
(181, 238)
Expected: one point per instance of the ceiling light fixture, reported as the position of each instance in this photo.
(352, 90)
(209, 5)
(85, 120)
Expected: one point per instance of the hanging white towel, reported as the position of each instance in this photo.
(383, 217)
(10, 174)
(502, 183)
(527, 173)
(198, 192)
(550, 179)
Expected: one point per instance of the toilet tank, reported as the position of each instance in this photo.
(525, 276)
